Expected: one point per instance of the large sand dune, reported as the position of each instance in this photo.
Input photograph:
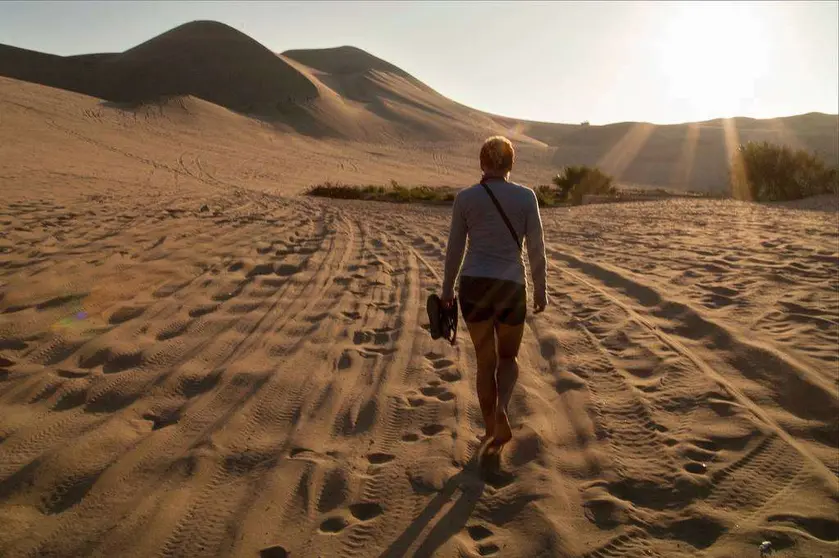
(197, 361)
(348, 94)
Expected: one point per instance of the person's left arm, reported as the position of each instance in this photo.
(536, 254)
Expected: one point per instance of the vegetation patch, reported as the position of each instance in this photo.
(394, 193)
(574, 183)
(768, 172)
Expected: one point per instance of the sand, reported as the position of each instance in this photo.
(196, 360)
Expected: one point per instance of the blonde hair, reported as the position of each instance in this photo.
(497, 155)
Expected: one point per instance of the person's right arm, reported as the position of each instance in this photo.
(536, 255)
(454, 250)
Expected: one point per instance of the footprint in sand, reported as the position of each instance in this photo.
(169, 289)
(203, 310)
(478, 532)
(344, 361)
(298, 451)
(380, 458)
(416, 401)
(432, 429)
(273, 552)
(431, 391)
(381, 350)
(696, 468)
(243, 308)
(334, 525)
(162, 420)
(126, 313)
(12, 344)
(362, 337)
(366, 511)
(714, 301)
(438, 362)
(450, 376)
(61, 372)
(442, 363)
(175, 329)
(440, 393)
(363, 512)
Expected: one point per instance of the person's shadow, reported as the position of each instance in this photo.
(470, 481)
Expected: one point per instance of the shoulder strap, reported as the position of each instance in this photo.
(503, 215)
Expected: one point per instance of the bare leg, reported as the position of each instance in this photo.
(509, 340)
(483, 338)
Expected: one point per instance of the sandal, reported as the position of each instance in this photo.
(442, 320)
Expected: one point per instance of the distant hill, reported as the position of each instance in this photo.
(205, 59)
(349, 94)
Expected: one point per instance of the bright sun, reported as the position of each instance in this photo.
(712, 55)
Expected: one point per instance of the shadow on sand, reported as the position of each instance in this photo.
(470, 483)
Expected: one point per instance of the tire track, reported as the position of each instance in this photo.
(642, 377)
(274, 422)
(679, 347)
(184, 422)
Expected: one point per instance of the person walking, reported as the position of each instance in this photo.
(497, 217)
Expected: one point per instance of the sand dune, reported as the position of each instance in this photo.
(195, 360)
(346, 93)
(210, 61)
(204, 59)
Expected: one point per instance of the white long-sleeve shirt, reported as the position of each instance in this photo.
(492, 251)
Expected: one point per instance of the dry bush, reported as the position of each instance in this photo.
(769, 172)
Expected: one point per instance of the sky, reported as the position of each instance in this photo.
(553, 61)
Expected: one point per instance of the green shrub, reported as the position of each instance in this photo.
(576, 181)
(769, 172)
(547, 196)
(335, 190)
(395, 193)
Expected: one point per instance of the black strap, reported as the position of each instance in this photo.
(503, 215)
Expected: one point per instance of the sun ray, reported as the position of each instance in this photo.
(785, 135)
(624, 152)
(684, 166)
(732, 142)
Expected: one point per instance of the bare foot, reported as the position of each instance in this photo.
(503, 432)
(490, 431)
(490, 428)
(487, 438)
